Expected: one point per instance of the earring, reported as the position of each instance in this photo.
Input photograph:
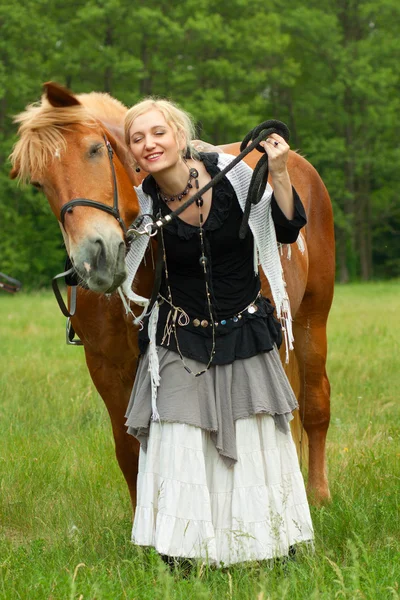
(137, 169)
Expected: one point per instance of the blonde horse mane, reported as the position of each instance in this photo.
(42, 126)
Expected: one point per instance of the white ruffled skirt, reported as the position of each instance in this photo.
(190, 504)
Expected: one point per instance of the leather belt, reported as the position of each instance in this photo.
(250, 308)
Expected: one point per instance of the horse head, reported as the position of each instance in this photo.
(66, 151)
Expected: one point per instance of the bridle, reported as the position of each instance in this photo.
(68, 208)
(112, 210)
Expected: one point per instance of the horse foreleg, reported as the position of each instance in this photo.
(314, 397)
(114, 386)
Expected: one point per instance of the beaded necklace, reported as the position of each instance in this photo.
(177, 316)
(167, 199)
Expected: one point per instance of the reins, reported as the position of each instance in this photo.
(70, 338)
(256, 189)
(59, 298)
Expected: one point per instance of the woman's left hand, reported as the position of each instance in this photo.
(278, 151)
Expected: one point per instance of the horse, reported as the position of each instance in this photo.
(62, 150)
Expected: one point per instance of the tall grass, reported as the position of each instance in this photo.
(64, 509)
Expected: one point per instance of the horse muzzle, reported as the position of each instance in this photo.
(100, 264)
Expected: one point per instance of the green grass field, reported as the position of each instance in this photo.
(65, 516)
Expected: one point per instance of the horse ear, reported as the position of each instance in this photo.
(59, 96)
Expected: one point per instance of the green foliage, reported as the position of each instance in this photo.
(328, 68)
(65, 513)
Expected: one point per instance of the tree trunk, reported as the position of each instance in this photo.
(294, 136)
(363, 224)
(3, 108)
(341, 255)
(108, 70)
(145, 84)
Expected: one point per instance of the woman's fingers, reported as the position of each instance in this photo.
(278, 150)
(276, 140)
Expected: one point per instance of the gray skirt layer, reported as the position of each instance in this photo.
(215, 400)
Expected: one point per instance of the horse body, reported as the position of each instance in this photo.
(94, 241)
(309, 275)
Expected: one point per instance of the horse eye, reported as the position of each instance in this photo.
(95, 149)
(37, 185)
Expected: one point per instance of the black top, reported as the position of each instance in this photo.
(232, 282)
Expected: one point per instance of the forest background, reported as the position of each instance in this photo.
(328, 68)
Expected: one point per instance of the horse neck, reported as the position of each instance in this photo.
(144, 279)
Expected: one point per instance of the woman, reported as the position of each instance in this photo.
(219, 478)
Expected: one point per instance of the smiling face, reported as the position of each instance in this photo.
(153, 142)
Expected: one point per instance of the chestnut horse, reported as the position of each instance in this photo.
(62, 151)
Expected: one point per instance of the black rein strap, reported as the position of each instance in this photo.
(59, 298)
(257, 184)
(256, 190)
(259, 178)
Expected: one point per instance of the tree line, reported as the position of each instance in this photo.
(328, 68)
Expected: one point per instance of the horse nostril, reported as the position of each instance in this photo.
(121, 257)
(100, 254)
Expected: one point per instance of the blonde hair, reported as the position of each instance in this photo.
(180, 121)
(42, 127)
(41, 135)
